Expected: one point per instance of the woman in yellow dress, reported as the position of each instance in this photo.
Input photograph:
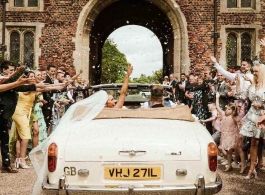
(21, 119)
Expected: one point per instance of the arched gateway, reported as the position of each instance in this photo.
(99, 19)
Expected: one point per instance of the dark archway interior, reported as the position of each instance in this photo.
(128, 12)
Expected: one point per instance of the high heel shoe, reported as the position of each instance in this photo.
(228, 168)
(243, 170)
(23, 165)
(252, 174)
(17, 162)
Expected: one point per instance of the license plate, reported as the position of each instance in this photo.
(132, 173)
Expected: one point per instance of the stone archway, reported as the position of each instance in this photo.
(99, 18)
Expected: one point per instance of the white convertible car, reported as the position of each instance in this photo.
(122, 151)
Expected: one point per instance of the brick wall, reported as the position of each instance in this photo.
(200, 19)
(60, 18)
(199, 15)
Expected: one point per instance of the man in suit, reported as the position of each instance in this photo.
(8, 102)
(189, 89)
(47, 96)
(222, 88)
(172, 83)
(180, 89)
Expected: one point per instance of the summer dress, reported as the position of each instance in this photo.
(229, 132)
(249, 128)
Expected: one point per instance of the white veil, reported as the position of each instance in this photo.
(71, 121)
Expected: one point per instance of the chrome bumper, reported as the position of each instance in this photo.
(199, 188)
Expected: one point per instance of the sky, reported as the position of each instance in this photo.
(141, 48)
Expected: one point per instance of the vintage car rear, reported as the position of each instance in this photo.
(134, 151)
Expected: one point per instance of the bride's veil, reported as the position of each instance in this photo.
(77, 116)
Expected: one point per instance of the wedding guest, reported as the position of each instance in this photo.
(180, 89)
(255, 93)
(8, 102)
(21, 118)
(166, 81)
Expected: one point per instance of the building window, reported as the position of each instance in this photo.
(246, 46)
(246, 3)
(238, 6)
(33, 3)
(29, 48)
(239, 46)
(22, 46)
(26, 3)
(19, 3)
(231, 50)
(239, 3)
(14, 46)
(231, 3)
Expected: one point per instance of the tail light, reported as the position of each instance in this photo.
(212, 156)
(52, 157)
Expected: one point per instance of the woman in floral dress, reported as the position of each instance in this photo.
(39, 133)
(198, 104)
(256, 94)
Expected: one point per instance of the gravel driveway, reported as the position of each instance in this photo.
(233, 183)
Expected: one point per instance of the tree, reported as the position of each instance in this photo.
(155, 78)
(114, 63)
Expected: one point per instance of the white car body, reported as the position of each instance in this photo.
(170, 155)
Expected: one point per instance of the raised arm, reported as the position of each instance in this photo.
(217, 103)
(262, 41)
(77, 75)
(18, 70)
(212, 118)
(124, 88)
(51, 87)
(8, 86)
(3, 79)
(10, 76)
(21, 81)
(230, 76)
(240, 94)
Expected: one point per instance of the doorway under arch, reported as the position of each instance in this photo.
(99, 19)
(141, 47)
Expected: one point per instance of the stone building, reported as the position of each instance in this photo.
(41, 32)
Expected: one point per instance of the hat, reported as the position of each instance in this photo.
(166, 77)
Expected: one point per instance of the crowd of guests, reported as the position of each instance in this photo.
(231, 104)
(32, 105)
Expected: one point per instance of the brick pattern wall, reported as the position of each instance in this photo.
(60, 18)
(200, 18)
(60, 28)
(199, 15)
(262, 31)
